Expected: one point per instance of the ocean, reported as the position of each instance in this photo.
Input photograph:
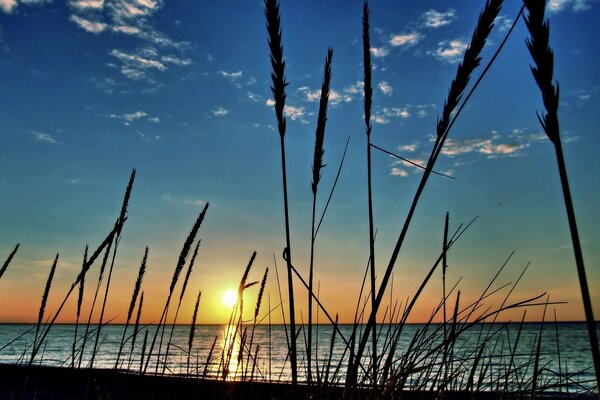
(487, 356)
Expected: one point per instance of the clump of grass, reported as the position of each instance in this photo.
(471, 61)
(187, 245)
(543, 70)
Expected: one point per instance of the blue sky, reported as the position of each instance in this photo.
(180, 90)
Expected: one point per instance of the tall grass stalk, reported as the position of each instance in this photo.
(368, 94)
(92, 307)
(278, 89)
(316, 169)
(43, 306)
(136, 290)
(8, 260)
(181, 294)
(256, 312)
(471, 61)
(543, 58)
(185, 250)
(79, 302)
(122, 217)
(135, 329)
(193, 329)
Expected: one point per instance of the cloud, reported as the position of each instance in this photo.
(379, 52)
(293, 112)
(435, 19)
(231, 75)
(182, 200)
(385, 88)
(135, 116)
(503, 23)
(170, 59)
(87, 5)
(88, 25)
(136, 66)
(398, 172)
(219, 112)
(383, 115)
(8, 6)
(126, 29)
(44, 137)
(406, 39)
(556, 6)
(450, 51)
(493, 147)
(356, 88)
(254, 97)
(409, 147)
(335, 97)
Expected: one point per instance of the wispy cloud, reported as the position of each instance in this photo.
(355, 88)
(88, 25)
(385, 88)
(379, 52)
(134, 116)
(87, 5)
(494, 146)
(503, 23)
(384, 115)
(132, 18)
(450, 51)
(182, 200)
(43, 137)
(406, 39)
(335, 97)
(136, 66)
(556, 6)
(170, 59)
(437, 19)
(395, 171)
(10, 6)
(409, 147)
(231, 75)
(293, 112)
(219, 112)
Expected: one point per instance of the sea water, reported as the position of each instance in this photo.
(495, 354)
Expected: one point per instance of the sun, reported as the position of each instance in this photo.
(229, 298)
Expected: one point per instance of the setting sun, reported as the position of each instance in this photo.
(229, 298)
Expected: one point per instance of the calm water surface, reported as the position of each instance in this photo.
(564, 351)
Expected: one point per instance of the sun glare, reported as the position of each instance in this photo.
(229, 298)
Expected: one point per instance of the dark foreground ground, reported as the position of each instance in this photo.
(18, 382)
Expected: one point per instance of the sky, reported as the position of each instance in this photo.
(180, 90)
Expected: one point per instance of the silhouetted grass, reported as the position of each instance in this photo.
(543, 57)
(278, 89)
